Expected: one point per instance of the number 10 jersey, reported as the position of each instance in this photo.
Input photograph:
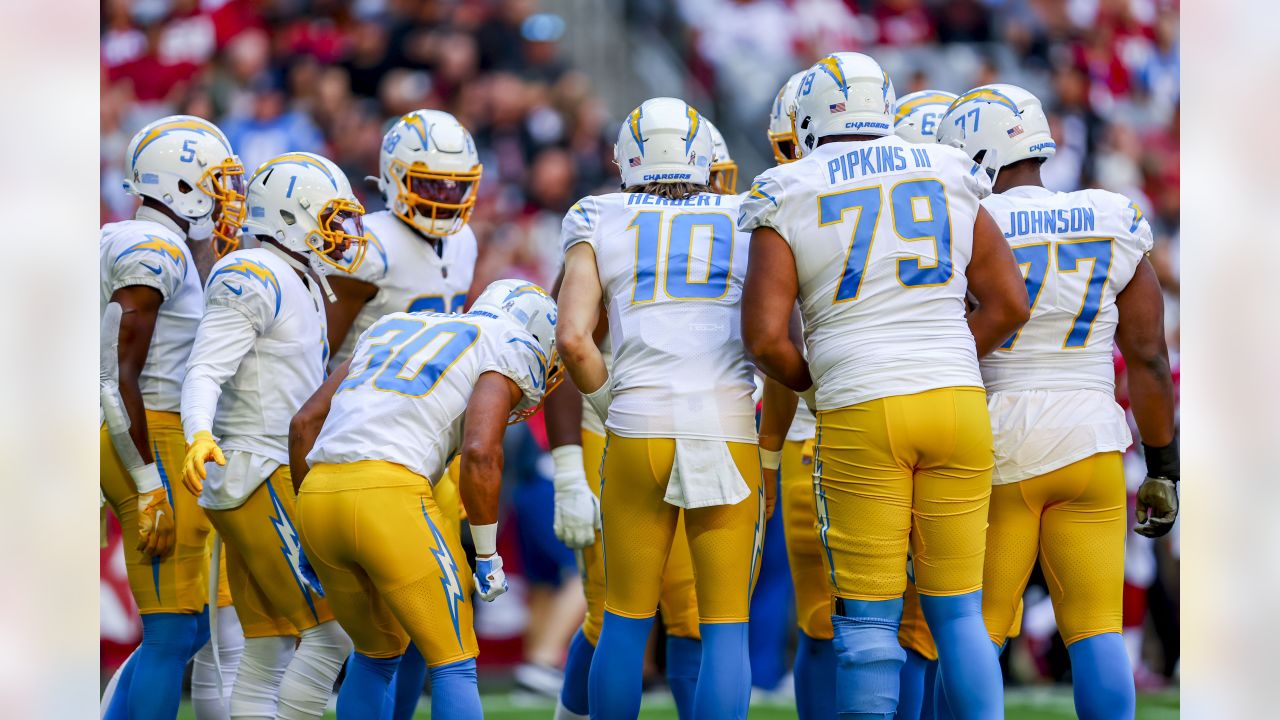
(671, 272)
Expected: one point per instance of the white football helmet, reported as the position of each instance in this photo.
(186, 163)
(916, 116)
(663, 140)
(997, 125)
(530, 307)
(724, 171)
(782, 129)
(429, 172)
(844, 93)
(304, 202)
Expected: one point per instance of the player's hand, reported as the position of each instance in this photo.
(577, 511)
(309, 574)
(203, 449)
(1157, 507)
(490, 580)
(770, 492)
(155, 523)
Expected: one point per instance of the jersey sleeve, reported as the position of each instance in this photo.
(973, 178)
(519, 358)
(761, 204)
(1139, 228)
(150, 260)
(248, 287)
(373, 269)
(580, 224)
(223, 338)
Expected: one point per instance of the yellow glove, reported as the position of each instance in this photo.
(203, 449)
(155, 523)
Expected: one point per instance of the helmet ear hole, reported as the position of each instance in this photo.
(288, 217)
(184, 187)
(979, 156)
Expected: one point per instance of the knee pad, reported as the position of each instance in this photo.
(262, 668)
(868, 655)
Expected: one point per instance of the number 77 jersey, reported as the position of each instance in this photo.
(671, 272)
(882, 233)
(1077, 251)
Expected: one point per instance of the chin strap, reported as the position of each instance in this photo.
(306, 268)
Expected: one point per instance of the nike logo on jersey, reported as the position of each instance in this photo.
(233, 288)
(152, 268)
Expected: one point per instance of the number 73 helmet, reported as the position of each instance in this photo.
(304, 202)
(429, 172)
(186, 164)
(916, 116)
(997, 125)
(530, 307)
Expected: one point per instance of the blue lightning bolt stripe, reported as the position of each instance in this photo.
(633, 123)
(419, 126)
(539, 375)
(288, 534)
(757, 542)
(448, 573)
(757, 191)
(824, 520)
(190, 124)
(831, 66)
(577, 207)
(297, 159)
(986, 95)
(168, 491)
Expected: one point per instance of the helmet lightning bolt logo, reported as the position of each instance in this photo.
(448, 574)
(831, 66)
(290, 546)
(633, 122)
(694, 121)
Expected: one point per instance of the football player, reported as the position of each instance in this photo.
(420, 388)
(259, 352)
(577, 521)
(422, 256)
(1059, 433)
(677, 404)
(191, 185)
(880, 240)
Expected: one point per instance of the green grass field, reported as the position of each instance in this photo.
(1049, 703)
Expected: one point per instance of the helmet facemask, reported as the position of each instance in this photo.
(435, 202)
(339, 239)
(225, 183)
(724, 177)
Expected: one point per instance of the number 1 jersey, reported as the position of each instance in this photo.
(881, 232)
(671, 272)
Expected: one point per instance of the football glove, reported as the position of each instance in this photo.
(203, 449)
(490, 580)
(1157, 501)
(309, 574)
(155, 523)
(600, 398)
(577, 511)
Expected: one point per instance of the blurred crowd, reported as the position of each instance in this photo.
(329, 76)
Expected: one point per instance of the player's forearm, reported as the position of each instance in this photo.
(563, 411)
(994, 322)
(481, 483)
(776, 416)
(1151, 396)
(582, 358)
(224, 337)
(778, 357)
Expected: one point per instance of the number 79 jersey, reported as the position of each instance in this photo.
(411, 378)
(1077, 251)
(671, 272)
(882, 233)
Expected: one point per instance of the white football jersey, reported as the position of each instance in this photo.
(411, 378)
(672, 274)
(146, 252)
(882, 232)
(409, 275)
(282, 360)
(1052, 385)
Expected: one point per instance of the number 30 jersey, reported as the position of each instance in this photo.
(881, 232)
(1052, 385)
(411, 378)
(671, 272)
(409, 274)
